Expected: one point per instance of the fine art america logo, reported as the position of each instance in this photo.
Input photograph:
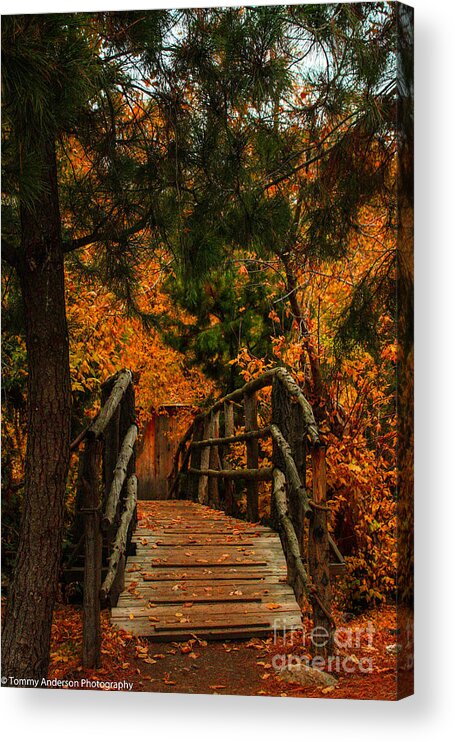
(341, 651)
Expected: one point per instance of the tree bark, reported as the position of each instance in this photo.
(28, 619)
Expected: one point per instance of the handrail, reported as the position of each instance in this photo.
(297, 574)
(115, 421)
(119, 543)
(258, 475)
(291, 473)
(120, 472)
(264, 380)
(247, 390)
(251, 435)
(101, 422)
(294, 390)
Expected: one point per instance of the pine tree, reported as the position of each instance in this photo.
(298, 171)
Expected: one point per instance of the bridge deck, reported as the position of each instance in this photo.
(199, 571)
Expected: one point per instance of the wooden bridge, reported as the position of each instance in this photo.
(190, 565)
(199, 571)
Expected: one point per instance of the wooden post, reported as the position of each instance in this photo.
(252, 456)
(318, 551)
(182, 476)
(195, 461)
(91, 647)
(229, 486)
(203, 496)
(214, 463)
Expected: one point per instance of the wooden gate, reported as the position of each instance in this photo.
(161, 439)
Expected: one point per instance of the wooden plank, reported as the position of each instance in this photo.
(202, 612)
(234, 581)
(198, 595)
(202, 556)
(173, 542)
(200, 600)
(203, 563)
(235, 630)
(215, 622)
(163, 532)
(210, 576)
(247, 548)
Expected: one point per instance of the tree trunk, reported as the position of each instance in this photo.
(28, 619)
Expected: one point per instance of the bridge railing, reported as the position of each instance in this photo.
(201, 462)
(107, 497)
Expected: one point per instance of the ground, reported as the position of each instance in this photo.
(367, 671)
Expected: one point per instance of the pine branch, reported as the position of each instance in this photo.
(99, 236)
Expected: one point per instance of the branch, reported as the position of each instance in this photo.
(98, 236)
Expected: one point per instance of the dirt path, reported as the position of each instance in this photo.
(227, 668)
